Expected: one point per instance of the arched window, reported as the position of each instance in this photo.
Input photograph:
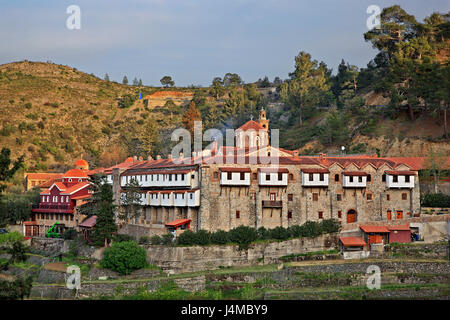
(336, 177)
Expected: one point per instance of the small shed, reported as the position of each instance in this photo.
(352, 243)
(178, 226)
(375, 234)
(399, 233)
(87, 226)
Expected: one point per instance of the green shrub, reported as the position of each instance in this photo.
(439, 200)
(18, 252)
(296, 231)
(187, 238)
(10, 238)
(243, 236)
(279, 233)
(220, 237)
(70, 234)
(263, 233)
(144, 240)
(155, 240)
(167, 239)
(122, 238)
(124, 257)
(330, 226)
(311, 229)
(202, 237)
(17, 289)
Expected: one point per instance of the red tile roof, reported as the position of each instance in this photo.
(374, 229)
(233, 169)
(251, 125)
(49, 183)
(76, 187)
(178, 222)
(61, 186)
(314, 170)
(82, 163)
(403, 227)
(354, 173)
(89, 222)
(75, 173)
(273, 170)
(398, 173)
(44, 176)
(352, 241)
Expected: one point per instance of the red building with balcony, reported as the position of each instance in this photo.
(59, 203)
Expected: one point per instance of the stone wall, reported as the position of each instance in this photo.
(197, 258)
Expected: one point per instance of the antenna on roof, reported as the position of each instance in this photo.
(251, 117)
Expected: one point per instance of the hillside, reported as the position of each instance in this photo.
(66, 114)
(55, 114)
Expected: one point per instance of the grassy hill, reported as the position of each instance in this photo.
(55, 114)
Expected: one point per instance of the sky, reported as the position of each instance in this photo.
(193, 41)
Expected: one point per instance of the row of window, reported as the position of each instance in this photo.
(155, 177)
(154, 196)
(255, 176)
(55, 199)
(369, 196)
(55, 216)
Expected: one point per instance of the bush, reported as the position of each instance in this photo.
(144, 240)
(436, 200)
(155, 240)
(263, 233)
(17, 252)
(122, 238)
(70, 234)
(279, 233)
(296, 231)
(202, 237)
(10, 238)
(220, 237)
(187, 238)
(167, 239)
(330, 226)
(311, 229)
(124, 257)
(243, 236)
(17, 289)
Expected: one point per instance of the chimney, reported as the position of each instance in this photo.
(295, 153)
(321, 156)
(150, 158)
(181, 155)
(214, 147)
(140, 158)
(158, 157)
(134, 158)
(169, 156)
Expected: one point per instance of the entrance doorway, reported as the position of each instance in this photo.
(351, 216)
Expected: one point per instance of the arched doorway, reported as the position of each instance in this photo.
(351, 216)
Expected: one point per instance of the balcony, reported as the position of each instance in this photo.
(272, 204)
(53, 208)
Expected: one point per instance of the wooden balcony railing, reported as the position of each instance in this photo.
(272, 204)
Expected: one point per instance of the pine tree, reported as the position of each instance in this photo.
(131, 206)
(140, 83)
(135, 81)
(125, 80)
(6, 173)
(106, 77)
(102, 205)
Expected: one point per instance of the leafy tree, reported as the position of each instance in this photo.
(131, 201)
(126, 100)
(125, 80)
(277, 81)
(232, 80)
(190, 116)
(217, 89)
(6, 173)
(149, 138)
(264, 83)
(18, 252)
(243, 236)
(140, 83)
(102, 205)
(167, 81)
(106, 77)
(17, 289)
(308, 86)
(435, 163)
(135, 81)
(124, 257)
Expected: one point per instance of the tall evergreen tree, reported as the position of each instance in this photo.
(102, 205)
(190, 116)
(106, 77)
(131, 206)
(6, 171)
(125, 80)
